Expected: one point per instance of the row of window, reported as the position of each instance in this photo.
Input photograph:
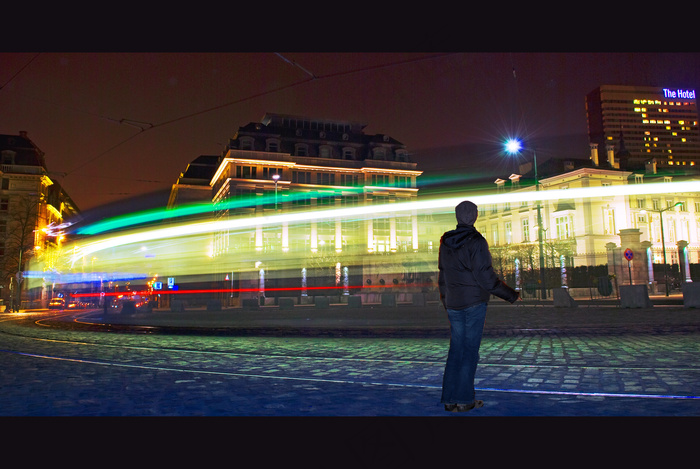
(658, 204)
(564, 228)
(273, 145)
(325, 178)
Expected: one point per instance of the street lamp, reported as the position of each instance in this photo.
(276, 177)
(514, 146)
(663, 242)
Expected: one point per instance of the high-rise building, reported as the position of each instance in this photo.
(644, 123)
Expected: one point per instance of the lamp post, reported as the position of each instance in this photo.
(276, 177)
(512, 147)
(663, 242)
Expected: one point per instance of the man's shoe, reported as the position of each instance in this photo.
(466, 407)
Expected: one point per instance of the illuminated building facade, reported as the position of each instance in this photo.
(595, 231)
(32, 209)
(644, 124)
(286, 164)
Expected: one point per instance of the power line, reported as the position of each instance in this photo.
(312, 77)
(19, 71)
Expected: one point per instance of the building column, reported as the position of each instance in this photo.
(285, 237)
(258, 238)
(338, 236)
(414, 236)
(684, 267)
(314, 237)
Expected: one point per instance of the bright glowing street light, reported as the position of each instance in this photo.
(514, 146)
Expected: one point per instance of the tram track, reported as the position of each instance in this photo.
(76, 318)
(304, 367)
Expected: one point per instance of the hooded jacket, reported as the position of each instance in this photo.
(466, 276)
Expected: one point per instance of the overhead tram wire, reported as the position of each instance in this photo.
(312, 77)
(9, 80)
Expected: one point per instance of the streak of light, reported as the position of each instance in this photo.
(227, 290)
(426, 206)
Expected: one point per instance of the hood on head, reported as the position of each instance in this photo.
(466, 213)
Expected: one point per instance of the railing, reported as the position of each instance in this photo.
(21, 169)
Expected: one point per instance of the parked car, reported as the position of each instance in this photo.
(57, 303)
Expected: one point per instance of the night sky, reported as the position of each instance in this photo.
(115, 126)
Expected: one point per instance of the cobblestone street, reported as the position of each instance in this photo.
(635, 368)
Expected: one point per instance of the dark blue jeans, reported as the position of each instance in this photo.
(466, 328)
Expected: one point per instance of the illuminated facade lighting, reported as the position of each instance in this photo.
(34, 213)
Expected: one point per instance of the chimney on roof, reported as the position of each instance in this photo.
(611, 157)
(650, 166)
(594, 154)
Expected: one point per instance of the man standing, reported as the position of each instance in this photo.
(466, 280)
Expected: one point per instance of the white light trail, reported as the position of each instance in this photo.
(373, 211)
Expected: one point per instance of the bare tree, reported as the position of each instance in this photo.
(23, 212)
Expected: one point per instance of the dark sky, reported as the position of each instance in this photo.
(119, 125)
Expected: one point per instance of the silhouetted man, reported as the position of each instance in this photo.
(466, 281)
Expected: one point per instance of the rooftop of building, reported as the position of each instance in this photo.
(26, 153)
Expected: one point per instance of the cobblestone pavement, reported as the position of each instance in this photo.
(535, 361)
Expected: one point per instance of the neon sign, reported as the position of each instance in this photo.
(682, 94)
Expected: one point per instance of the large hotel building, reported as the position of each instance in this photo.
(286, 165)
(647, 123)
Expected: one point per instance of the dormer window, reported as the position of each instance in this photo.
(324, 151)
(8, 157)
(301, 149)
(379, 153)
(272, 145)
(246, 143)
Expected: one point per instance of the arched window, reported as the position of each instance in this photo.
(301, 149)
(379, 153)
(325, 151)
(246, 143)
(272, 145)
